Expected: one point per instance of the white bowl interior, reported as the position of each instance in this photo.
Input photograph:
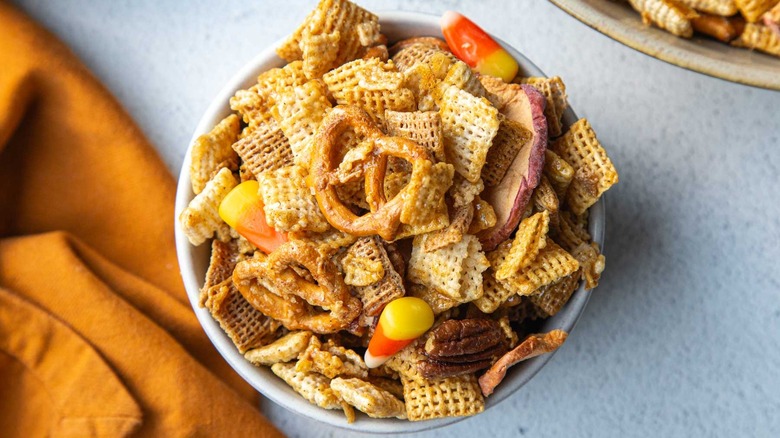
(193, 261)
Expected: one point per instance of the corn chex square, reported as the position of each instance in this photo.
(290, 49)
(212, 151)
(531, 237)
(394, 183)
(255, 103)
(299, 112)
(405, 362)
(424, 78)
(469, 124)
(264, 148)
(440, 220)
(554, 91)
(369, 398)
(455, 271)
(276, 80)
(344, 26)
(252, 106)
(392, 386)
(371, 84)
(200, 220)
(494, 292)
(459, 224)
(319, 52)
(449, 397)
(426, 191)
(289, 205)
(460, 75)
(550, 265)
(582, 150)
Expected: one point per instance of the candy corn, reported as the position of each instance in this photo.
(242, 209)
(402, 321)
(476, 48)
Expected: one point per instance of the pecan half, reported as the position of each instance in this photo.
(462, 337)
(433, 369)
(462, 346)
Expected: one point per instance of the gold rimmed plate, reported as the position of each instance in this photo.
(620, 22)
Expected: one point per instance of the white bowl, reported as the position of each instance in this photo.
(193, 261)
(620, 22)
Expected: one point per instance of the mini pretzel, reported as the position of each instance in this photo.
(274, 288)
(385, 215)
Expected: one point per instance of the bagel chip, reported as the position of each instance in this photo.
(368, 398)
(284, 349)
(532, 346)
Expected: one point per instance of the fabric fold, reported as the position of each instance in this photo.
(87, 397)
(97, 337)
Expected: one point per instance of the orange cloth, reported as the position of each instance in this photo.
(97, 337)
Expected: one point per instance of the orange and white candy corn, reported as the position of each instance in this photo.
(476, 48)
(402, 321)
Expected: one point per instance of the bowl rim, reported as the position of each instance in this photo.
(657, 48)
(261, 378)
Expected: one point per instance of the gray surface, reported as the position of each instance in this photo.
(682, 338)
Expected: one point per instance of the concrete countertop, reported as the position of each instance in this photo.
(682, 337)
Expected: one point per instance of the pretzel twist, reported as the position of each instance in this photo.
(384, 216)
(274, 288)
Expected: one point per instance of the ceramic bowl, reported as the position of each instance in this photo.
(620, 22)
(193, 261)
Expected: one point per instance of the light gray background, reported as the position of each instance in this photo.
(682, 337)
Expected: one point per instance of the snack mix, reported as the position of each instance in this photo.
(390, 224)
(753, 24)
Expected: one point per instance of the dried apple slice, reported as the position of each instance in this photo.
(523, 104)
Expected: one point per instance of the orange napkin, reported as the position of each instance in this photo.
(96, 335)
